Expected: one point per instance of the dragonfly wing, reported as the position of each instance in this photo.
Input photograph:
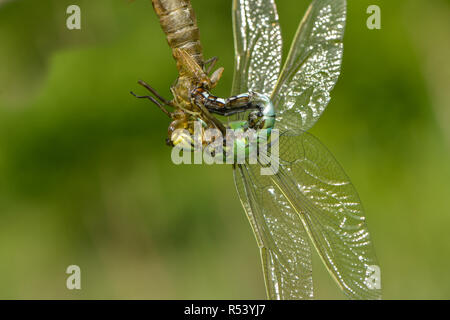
(258, 45)
(281, 237)
(321, 194)
(312, 67)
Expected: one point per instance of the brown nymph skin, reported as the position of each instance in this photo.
(178, 21)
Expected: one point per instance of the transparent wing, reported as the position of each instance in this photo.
(281, 237)
(258, 45)
(312, 67)
(321, 194)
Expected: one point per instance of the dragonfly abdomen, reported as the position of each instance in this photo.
(178, 21)
(262, 116)
(224, 107)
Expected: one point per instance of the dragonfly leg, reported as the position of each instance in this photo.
(219, 125)
(160, 106)
(211, 62)
(157, 95)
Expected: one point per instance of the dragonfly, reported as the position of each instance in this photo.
(308, 202)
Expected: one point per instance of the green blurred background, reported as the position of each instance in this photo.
(86, 179)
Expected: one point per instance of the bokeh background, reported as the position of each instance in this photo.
(86, 179)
